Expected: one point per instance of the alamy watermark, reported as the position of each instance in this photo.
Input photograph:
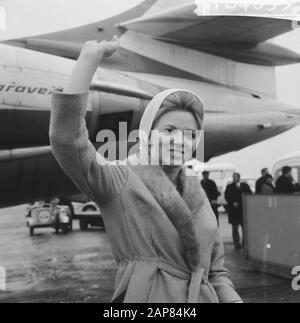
(157, 148)
(2, 279)
(285, 9)
(265, 8)
(296, 279)
(2, 18)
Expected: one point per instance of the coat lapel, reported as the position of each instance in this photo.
(181, 206)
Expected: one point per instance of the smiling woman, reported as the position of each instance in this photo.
(179, 120)
(163, 232)
(170, 130)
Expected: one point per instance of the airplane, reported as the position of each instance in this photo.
(227, 60)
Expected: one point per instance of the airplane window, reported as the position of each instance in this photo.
(215, 175)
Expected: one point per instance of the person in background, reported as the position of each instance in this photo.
(261, 181)
(67, 202)
(211, 190)
(233, 196)
(54, 201)
(268, 187)
(286, 184)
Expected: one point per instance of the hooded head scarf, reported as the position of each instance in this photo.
(150, 115)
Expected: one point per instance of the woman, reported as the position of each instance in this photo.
(268, 187)
(163, 233)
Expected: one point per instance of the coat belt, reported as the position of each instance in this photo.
(195, 277)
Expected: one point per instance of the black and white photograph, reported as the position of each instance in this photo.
(150, 153)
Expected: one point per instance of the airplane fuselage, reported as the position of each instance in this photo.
(235, 118)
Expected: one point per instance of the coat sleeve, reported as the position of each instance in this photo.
(70, 143)
(219, 276)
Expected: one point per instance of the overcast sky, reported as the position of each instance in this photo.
(31, 17)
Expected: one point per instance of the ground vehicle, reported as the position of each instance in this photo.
(88, 214)
(292, 160)
(48, 215)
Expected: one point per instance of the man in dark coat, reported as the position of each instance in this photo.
(261, 181)
(211, 190)
(233, 196)
(286, 184)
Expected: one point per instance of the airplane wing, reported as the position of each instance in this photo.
(240, 38)
(183, 25)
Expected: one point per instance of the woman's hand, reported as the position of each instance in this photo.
(98, 50)
(88, 62)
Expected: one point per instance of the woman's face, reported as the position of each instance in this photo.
(177, 133)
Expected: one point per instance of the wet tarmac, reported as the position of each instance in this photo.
(78, 267)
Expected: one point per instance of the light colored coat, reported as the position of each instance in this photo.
(165, 241)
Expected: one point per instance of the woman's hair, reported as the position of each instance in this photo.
(181, 101)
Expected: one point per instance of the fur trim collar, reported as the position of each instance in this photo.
(181, 205)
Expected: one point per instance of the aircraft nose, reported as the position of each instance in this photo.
(282, 119)
(292, 117)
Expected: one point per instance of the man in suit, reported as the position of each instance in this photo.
(233, 196)
(286, 184)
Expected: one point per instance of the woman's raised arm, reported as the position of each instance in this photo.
(89, 59)
(69, 136)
